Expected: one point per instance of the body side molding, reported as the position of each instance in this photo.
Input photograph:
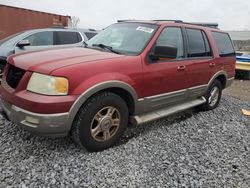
(147, 106)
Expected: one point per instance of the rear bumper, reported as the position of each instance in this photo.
(53, 125)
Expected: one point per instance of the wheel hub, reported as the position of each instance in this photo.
(106, 123)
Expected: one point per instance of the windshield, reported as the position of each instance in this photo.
(128, 38)
(10, 37)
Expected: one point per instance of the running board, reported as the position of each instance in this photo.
(147, 117)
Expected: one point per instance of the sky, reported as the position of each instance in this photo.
(98, 14)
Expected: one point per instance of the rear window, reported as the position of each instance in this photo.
(224, 44)
(198, 43)
(64, 37)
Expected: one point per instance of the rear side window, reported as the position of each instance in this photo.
(64, 37)
(197, 43)
(224, 44)
(89, 35)
(44, 38)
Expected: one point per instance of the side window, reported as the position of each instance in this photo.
(172, 36)
(90, 35)
(67, 37)
(224, 44)
(197, 47)
(44, 38)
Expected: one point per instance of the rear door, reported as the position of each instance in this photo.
(166, 80)
(202, 65)
(68, 38)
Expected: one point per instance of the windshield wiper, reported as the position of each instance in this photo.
(85, 44)
(103, 46)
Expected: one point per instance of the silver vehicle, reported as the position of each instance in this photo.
(37, 39)
(88, 33)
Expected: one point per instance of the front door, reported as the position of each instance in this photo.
(166, 80)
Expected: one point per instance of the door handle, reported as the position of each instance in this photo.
(212, 64)
(181, 68)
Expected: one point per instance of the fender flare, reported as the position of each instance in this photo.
(99, 87)
(215, 76)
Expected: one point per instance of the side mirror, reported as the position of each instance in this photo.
(168, 52)
(23, 43)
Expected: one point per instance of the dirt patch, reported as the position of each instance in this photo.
(240, 89)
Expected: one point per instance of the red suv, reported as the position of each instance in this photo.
(133, 71)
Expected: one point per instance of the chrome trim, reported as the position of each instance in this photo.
(166, 94)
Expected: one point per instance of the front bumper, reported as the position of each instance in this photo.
(54, 125)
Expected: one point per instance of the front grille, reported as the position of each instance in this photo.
(14, 75)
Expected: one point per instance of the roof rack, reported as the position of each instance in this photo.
(126, 20)
(204, 24)
(57, 27)
(91, 29)
(176, 21)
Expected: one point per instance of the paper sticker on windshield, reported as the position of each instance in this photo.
(145, 29)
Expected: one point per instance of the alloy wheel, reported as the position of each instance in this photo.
(105, 124)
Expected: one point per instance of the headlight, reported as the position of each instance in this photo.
(48, 85)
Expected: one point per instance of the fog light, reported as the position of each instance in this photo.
(32, 120)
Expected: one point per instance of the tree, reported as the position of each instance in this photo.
(75, 21)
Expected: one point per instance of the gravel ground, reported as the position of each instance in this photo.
(240, 89)
(190, 149)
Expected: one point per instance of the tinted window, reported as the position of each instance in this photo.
(41, 39)
(89, 35)
(172, 36)
(197, 47)
(224, 44)
(64, 37)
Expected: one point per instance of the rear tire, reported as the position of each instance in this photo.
(100, 122)
(213, 96)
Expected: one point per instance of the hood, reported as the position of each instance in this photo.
(47, 61)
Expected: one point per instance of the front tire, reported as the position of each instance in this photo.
(213, 96)
(100, 122)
